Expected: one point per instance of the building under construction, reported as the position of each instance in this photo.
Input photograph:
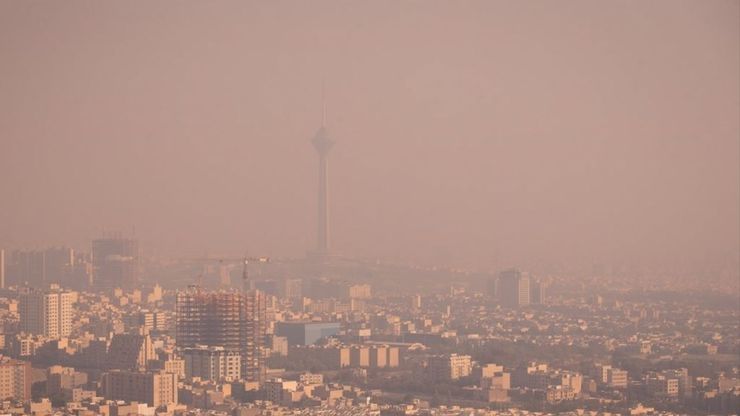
(230, 319)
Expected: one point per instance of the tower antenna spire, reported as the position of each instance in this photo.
(323, 103)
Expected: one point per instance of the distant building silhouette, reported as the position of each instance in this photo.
(40, 267)
(537, 292)
(323, 144)
(115, 263)
(513, 288)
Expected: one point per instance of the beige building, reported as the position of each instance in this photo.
(311, 378)
(175, 366)
(394, 357)
(661, 385)
(500, 381)
(279, 346)
(155, 388)
(359, 291)
(379, 357)
(15, 379)
(278, 390)
(616, 378)
(376, 356)
(212, 363)
(359, 357)
(449, 367)
(489, 370)
(48, 313)
(572, 380)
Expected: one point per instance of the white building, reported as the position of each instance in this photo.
(212, 363)
(48, 313)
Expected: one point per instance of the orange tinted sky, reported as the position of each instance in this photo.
(476, 133)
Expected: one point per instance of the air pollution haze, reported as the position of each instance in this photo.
(474, 134)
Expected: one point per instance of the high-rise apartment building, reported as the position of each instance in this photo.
(40, 267)
(537, 292)
(513, 288)
(148, 321)
(155, 388)
(685, 383)
(48, 312)
(449, 367)
(212, 363)
(115, 263)
(15, 379)
(253, 336)
(233, 320)
(359, 291)
(416, 302)
(292, 288)
(130, 352)
(27, 267)
(58, 262)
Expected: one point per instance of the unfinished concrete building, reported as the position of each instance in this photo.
(229, 319)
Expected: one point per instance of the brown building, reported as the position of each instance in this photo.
(130, 352)
(156, 388)
(61, 381)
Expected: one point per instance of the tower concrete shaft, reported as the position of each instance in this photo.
(322, 236)
(323, 144)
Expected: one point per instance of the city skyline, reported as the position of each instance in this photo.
(503, 153)
(370, 208)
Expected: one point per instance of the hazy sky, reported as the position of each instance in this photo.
(467, 133)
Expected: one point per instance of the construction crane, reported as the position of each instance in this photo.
(244, 260)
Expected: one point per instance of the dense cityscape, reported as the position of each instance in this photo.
(532, 208)
(98, 333)
(109, 332)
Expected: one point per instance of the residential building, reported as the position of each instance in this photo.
(130, 352)
(233, 320)
(156, 388)
(449, 367)
(15, 379)
(212, 363)
(46, 312)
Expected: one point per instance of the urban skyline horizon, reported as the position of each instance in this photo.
(531, 136)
